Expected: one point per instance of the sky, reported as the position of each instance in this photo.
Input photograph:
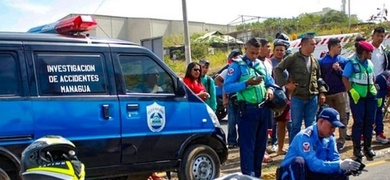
(21, 15)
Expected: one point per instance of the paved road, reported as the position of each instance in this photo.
(376, 170)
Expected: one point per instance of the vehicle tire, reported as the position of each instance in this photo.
(200, 162)
(4, 175)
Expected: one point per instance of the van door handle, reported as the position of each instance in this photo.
(132, 107)
(106, 111)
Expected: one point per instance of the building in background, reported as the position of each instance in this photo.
(135, 29)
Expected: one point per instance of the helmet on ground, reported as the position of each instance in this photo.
(52, 158)
(279, 102)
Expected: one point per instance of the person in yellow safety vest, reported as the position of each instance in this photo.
(358, 79)
(249, 79)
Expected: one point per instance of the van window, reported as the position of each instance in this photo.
(70, 74)
(9, 79)
(142, 74)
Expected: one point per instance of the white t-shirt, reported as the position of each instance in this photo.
(378, 58)
(223, 74)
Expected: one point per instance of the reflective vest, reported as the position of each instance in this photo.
(253, 93)
(362, 78)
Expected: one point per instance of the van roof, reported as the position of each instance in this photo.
(46, 37)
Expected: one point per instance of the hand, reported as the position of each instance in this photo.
(225, 101)
(336, 66)
(253, 81)
(204, 95)
(349, 165)
(270, 94)
(355, 95)
(322, 99)
(291, 86)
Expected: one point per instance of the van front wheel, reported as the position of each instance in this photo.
(3, 175)
(200, 162)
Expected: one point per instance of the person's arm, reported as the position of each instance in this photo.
(213, 95)
(321, 88)
(279, 69)
(231, 84)
(333, 154)
(306, 150)
(220, 78)
(346, 75)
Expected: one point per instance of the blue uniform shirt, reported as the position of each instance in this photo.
(348, 70)
(320, 155)
(232, 84)
(330, 76)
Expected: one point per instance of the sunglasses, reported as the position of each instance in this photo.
(196, 70)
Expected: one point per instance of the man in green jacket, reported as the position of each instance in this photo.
(209, 84)
(304, 73)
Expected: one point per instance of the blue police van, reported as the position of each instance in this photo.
(125, 110)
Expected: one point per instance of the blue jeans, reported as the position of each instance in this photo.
(302, 110)
(232, 124)
(274, 138)
(379, 113)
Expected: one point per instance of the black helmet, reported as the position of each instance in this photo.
(282, 36)
(234, 53)
(281, 42)
(51, 157)
(279, 102)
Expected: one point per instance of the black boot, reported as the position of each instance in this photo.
(367, 149)
(357, 151)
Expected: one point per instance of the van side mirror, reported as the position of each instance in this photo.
(179, 88)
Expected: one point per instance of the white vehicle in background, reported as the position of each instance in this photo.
(322, 43)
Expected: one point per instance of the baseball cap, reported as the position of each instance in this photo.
(332, 116)
(366, 46)
(204, 62)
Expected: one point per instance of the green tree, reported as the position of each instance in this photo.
(334, 16)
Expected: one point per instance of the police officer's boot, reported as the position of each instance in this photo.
(357, 150)
(368, 151)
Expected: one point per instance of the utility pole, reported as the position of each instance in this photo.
(349, 14)
(186, 36)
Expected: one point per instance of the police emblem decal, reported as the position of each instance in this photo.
(155, 117)
(306, 147)
(230, 71)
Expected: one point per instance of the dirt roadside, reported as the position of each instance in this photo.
(232, 165)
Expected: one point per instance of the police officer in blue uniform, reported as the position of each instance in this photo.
(248, 77)
(313, 153)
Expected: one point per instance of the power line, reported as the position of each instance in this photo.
(99, 6)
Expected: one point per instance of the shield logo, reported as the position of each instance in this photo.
(155, 117)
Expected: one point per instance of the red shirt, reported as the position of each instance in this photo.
(194, 85)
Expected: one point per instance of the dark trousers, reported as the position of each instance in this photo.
(298, 170)
(363, 114)
(253, 139)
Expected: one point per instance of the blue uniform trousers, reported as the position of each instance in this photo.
(253, 139)
(363, 114)
(298, 170)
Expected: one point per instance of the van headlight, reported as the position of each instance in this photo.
(213, 117)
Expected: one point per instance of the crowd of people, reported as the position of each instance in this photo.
(320, 92)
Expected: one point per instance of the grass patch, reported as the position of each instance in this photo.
(217, 61)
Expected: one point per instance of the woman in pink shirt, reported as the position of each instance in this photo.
(192, 80)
